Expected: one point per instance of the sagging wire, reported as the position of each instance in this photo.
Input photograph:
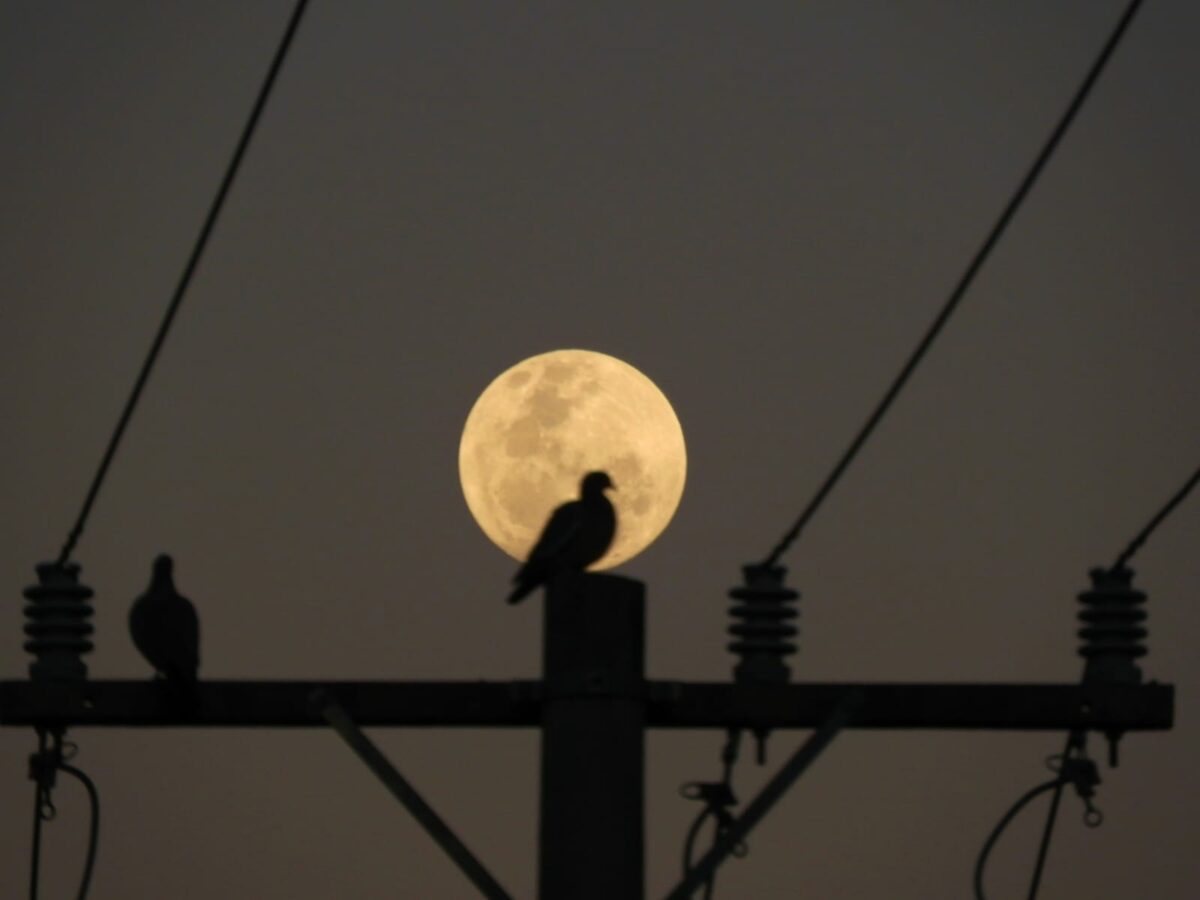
(718, 799)
(43, 807)
(185, 279)
(960, 289)
(1074, 768)
(1159, 517)
(52, 756)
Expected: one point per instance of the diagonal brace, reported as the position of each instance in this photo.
(336, 716)
(768, 796)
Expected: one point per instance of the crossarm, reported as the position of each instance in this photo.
(669, 704)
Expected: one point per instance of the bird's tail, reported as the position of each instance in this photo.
(521, 591)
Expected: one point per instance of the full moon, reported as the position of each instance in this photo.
(542, 425)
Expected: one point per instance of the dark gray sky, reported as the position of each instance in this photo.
(761, 206)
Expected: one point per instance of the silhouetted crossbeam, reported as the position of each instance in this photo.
(669, 704)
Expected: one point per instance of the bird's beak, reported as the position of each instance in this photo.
(611, 486)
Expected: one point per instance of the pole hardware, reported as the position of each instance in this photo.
(58, 623)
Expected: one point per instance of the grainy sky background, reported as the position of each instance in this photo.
(759, 205)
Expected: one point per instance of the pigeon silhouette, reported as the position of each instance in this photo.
(166, 630)
(577, 534)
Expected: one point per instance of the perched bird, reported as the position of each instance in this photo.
(166, 631)
(578, 533)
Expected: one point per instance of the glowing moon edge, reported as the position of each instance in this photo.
(542, 424)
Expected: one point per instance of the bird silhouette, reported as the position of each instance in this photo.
(166, 630)
(577, 534)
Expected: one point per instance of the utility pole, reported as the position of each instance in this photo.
(593, 739)
(593, 706)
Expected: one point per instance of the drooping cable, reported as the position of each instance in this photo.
(689, 847)
(986, 850)
(1159, 517)
(185, 279)
(1075, 769)
(1051, 817)
(960, 288)
(93, 828)
(43, 767)
(40, 801)
(718, 798)
(36, 849)
(50, 759)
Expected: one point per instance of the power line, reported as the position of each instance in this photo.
(1075, 769)
(51, 758)
(718, 798)
(1159, 518)
(42, 809)
(1051, 817)
(960, 289)
(986, 851)
(89, 863)
(181, 288)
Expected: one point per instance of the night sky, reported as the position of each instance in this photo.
(761, 206)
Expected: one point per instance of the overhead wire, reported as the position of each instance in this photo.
(1074, 768)
(1159, 517)
(51, 758)
(89, 863)
(1005, 820)
(1039, 864)
(960, 289)
(181, 287)
(717, 797)
(40, 802)
(689, 848)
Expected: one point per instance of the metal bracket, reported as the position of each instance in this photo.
(437, 829)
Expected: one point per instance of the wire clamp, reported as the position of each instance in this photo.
(718, 799)
(43, 770)
(1082, 773)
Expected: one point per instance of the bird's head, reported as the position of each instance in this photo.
(162, 576)
(595, 484)
(163, 565)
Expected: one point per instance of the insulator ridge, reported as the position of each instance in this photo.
(761, 630)
(1112, 627)
(57, 623)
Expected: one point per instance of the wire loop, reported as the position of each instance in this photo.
(718, 799)
(44, 765)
